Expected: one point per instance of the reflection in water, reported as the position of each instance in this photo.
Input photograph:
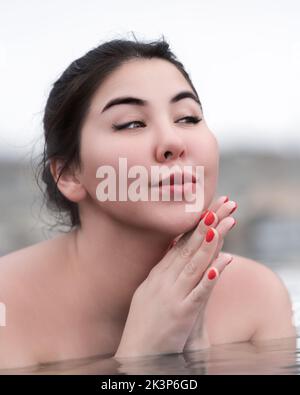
(273, 357)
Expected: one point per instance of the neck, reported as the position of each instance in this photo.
(112, 260)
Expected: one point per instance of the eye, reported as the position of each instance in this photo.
(193, 120)
(125, 125)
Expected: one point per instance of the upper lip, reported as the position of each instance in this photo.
(176, 178)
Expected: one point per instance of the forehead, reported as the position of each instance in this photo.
(148, 78)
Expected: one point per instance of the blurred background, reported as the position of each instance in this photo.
(244, 60)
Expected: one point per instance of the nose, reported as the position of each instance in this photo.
(170, 147)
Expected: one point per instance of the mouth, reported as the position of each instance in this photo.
(176, 179)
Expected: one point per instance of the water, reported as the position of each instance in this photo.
(276, 357)
(291, 277)
(273, 357)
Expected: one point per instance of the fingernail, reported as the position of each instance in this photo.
(203, 214)
(209, 219)
(227, 257)
(212, 273)
(229, 261)
(232, 225)
(234, 208)
(210, 234)
(226, 199)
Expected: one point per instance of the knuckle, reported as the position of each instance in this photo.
(185, 252)
(191, 267)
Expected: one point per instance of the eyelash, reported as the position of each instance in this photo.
(194, 120)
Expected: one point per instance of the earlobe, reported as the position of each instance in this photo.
(67, 182)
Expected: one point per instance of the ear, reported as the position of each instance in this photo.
(68, 183)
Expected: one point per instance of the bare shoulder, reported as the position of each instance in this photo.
(26, 273)
(25, 277)
(253, 302)
(255, 281)
(249, 273)
(15, 285)
(16, 268)
(20, 264)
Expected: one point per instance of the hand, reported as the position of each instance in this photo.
(222, 208)
(165, 306)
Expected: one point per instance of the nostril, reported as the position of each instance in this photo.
(167, 153)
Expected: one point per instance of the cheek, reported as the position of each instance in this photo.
(212, 174)
(94, 152)
(103, 151)
(207, 155)
(106, 153)
(206, 152)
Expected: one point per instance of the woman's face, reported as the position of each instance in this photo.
(159, 127)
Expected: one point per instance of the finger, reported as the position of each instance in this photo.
(226, 209)
(222, 261)
(201, 292)
(185, 247)
(222, 207)
(193, 237)
(223, 228)
(193, 270)
(219, 248)
(172, 251)
(189, 244)
(216, 204)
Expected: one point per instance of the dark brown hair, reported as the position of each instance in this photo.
(68, 103)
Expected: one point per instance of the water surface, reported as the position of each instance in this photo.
(276, 357)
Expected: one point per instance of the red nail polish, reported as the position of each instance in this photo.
(234, 208)
(203, 214)
(212, 274)
(209, 235)
(209, 219)
(226, 200)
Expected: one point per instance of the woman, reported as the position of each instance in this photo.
(111, 285)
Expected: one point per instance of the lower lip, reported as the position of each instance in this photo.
(181, 189)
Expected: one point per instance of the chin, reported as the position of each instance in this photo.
(172, 220)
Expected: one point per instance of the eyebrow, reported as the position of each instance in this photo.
(140, 102)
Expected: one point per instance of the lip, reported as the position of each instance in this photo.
(176, 179)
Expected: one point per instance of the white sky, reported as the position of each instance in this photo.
(243, 58)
